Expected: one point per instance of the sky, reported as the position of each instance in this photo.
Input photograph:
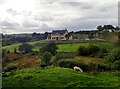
(28, 16)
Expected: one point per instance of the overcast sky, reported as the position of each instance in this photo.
(28, 16)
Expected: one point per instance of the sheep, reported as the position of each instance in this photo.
(78, 69)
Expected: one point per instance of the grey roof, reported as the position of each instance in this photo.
(59, 31)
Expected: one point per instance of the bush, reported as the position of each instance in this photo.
(60, 56)
(6, 74)
(46, 58)
(113, 59)
(114, 55)
(25, 48)
(103, 67)
(102, 53)
(50, 47)
(68, 63)
(10, 67)
(92, 50)
(88, 50)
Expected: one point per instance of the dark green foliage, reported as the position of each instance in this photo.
(25, 48)
(99, 28)
(92, 51)
(10, 67)
(101, 53)
(86, 67)
(113, 59)
(108, 27)
(67, 63)
(50, 47)
(103, 67)
(46, 58)
(88, 50)
(114, 55)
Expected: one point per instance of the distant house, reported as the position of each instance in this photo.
(60, 35)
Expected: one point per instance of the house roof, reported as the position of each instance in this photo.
(59, 31)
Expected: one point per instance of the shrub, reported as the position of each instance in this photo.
(103, 67)
(10, 67)
(102, 53)
(25, 48)
(92, 50)
(46, 57)
(50, 47)
(88, 50)
(114, 55)
(68, 63)
(6, 74)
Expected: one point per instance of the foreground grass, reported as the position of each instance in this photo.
(60, 77)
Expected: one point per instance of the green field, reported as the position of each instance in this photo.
(65, 47)
(60, 77)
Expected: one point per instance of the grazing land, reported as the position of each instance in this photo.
(60, 77)
(65, 47)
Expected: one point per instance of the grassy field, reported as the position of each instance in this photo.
(60, 77)
(65, 47)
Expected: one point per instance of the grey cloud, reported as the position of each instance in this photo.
(11, 11)
(81, 5)
(43, 18)
(28, 24)
(9, 24)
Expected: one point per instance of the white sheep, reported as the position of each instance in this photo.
(78, 69)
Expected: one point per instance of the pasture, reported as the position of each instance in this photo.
(60, 77)
(65, 47)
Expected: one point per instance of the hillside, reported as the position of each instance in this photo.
(60, 77)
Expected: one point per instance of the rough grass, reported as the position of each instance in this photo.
(60, 77)
(88, 60)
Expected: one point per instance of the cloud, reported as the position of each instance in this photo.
(41, 16)
(9, 24)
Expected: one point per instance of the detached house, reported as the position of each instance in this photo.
(59, 35)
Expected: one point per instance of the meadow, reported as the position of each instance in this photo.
(60, 77)
(65, 47)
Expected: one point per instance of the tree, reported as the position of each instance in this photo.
(46, 57)
(108, 27)
(45, 35)
(25, 48)
(117, 28)
(100, 28)
(50, 47)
